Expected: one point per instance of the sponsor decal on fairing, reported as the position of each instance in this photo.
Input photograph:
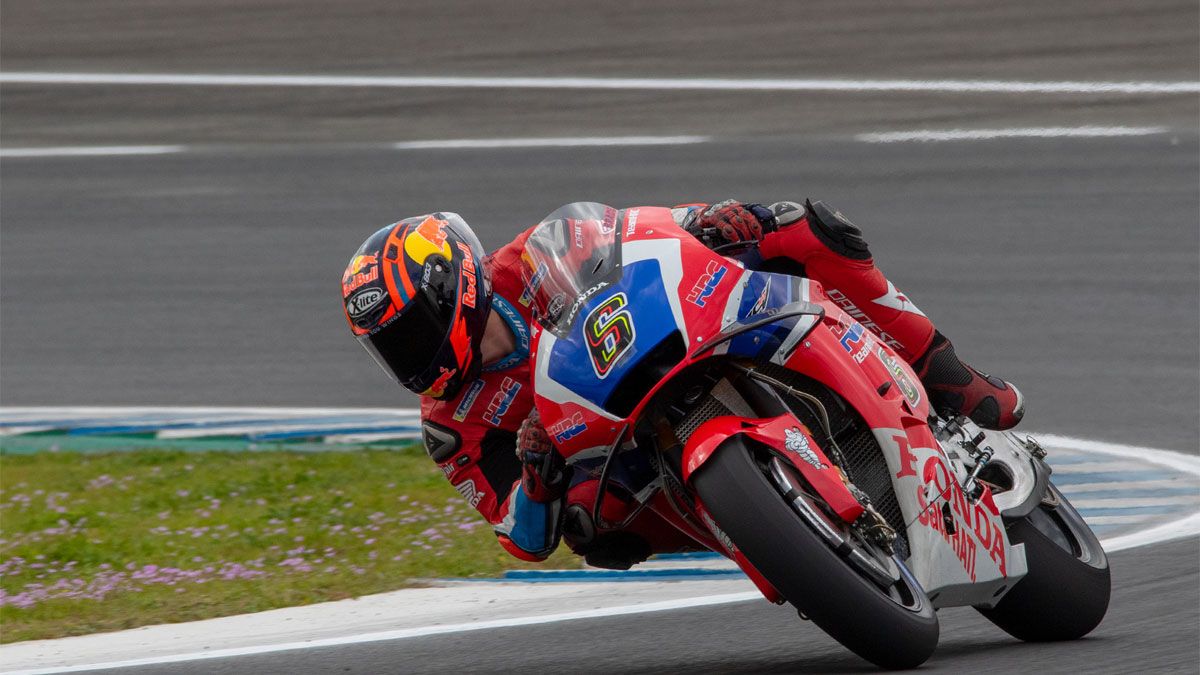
(707, 283)
(971, 529)
(946, 510)
(910, 390)
(631, 218)
(760, 305)
(797, 442)
(568, 428)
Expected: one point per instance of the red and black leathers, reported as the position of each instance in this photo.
(473, 436)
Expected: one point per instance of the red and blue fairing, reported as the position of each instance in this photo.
(627, 301)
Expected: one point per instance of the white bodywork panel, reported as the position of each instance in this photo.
(960, 552)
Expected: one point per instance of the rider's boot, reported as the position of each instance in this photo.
(833, 251)
(955, 387)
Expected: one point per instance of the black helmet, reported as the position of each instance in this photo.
(417, 298)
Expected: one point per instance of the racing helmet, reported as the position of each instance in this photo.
(417, 298)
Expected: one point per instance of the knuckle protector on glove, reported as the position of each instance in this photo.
(836, 232)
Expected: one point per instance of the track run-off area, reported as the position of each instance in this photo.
(1131, 496)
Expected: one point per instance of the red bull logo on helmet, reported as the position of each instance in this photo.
(354, 276)
(468, 275)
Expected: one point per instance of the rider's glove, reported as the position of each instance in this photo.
(543, 470)
(732, 222)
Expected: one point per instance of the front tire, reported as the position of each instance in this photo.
(806, 571)
(1066, 592)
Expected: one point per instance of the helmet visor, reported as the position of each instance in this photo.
(410, 347)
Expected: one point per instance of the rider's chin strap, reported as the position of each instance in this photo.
(519, 329)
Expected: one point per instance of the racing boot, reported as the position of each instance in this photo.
(832, 250)
(955, 387)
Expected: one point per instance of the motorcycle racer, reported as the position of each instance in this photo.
(454, 325)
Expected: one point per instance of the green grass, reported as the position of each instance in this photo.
(102, 542)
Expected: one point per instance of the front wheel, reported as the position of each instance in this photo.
(1065, 594)
(893, 627)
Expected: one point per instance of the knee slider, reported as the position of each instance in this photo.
(836, 232)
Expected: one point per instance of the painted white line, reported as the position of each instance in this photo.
(423, 631)
(933, 135)
(1134, 502)
(1182, 528)
(91, 151)
(1176, 529)
(627, 83)
(583, 141)
(1173, 460)
(356, 439)
(1096, 467)
(1121, 520)
(276, 427)
(1117, 486)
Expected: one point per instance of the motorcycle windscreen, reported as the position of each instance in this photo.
(568, 258)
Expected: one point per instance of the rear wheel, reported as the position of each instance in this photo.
(1065, 594)
(887, 620)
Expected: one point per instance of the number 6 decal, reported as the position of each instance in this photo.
(609, 333)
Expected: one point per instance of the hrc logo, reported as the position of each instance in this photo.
(501, 401)
(566, 429)
(707, 283)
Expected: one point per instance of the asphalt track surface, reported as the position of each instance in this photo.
(1066, 265)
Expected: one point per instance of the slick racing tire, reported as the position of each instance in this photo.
(738, 494)
(1065, 594)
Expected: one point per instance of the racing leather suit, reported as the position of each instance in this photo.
(473, 436)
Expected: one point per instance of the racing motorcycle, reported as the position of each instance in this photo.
(748, 411)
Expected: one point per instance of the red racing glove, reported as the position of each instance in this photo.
(734, 222)
(543, 470)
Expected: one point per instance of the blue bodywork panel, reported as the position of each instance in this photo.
(571, 363)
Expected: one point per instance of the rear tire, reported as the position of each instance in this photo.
(1065, 594)
(806, 571)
